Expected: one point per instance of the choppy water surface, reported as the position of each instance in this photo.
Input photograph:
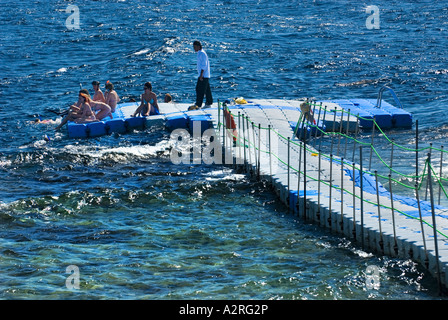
(138, 226)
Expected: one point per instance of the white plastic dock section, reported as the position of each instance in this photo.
(315, 194)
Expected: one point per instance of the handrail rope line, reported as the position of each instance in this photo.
(365, 143)
(419, 177)
(382, 132)
(336, 187)
(438, 180)
(398, 182)
(393, 170)
(350, 193)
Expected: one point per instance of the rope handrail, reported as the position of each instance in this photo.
(249, 144)
(418, 177)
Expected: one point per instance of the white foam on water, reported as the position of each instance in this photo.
(137, 150)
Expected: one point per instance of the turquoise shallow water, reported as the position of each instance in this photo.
(182, 233)
(138, 226)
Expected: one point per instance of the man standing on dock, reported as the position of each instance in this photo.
(203, 83)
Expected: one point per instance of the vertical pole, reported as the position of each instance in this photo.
(331, 187)
(233, 142)
(371, 143)
(255, 148)
(436, 244)
(249, 145)
(219, 114)
(304, 181)
(421, 225)
(270, 151)
(381, 243)
(289, 139)
(312, 115)
(391, 156)
(427, 180)
(416, 151)
(298, 179)
(356, 137)
(354, 202)
(346, 133)
(342, 196)
(299, 174)
(340, 131)
(361, 178)
(393, 214)
(259, 150)
(239, 137)
(303, 127)
(244, 144)
(323, 123)
(224, 135)
(318, 188)
(299, 127)
(317, 125)
(332, 134)
(440, 174)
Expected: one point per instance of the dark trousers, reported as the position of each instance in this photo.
(203, 88)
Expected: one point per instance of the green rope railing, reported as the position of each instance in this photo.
(249, 144)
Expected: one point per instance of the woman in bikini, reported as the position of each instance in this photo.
(148, 106)
(87, 115)
(98, 95)
(111, 96)
(102, 110)
(74, 111)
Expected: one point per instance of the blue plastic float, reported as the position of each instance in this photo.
(117, 124)
(387, 116)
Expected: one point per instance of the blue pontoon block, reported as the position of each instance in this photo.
(293, 200)
(135, 123)
(116, 125)
(205, 122)
(96, 129)
(77, 130)
(176, 121)
(382, 117)
(400, 117)
(365, 117)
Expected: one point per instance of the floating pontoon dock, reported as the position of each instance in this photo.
(275, 140)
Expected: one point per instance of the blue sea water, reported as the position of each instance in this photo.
(140, 227)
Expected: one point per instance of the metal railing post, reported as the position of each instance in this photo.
(436, 244)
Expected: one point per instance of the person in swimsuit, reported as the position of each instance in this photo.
(102, 110)
(74, 112)
(148, 106)
(98, 95)
(87, 115)
(111, 96)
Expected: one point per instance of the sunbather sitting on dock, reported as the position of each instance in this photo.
(87, 115)
(148, 106)
(98, 95)
(111, 96)
(102, 110)
(74, 112)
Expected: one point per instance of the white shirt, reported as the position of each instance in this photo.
(203, 64)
